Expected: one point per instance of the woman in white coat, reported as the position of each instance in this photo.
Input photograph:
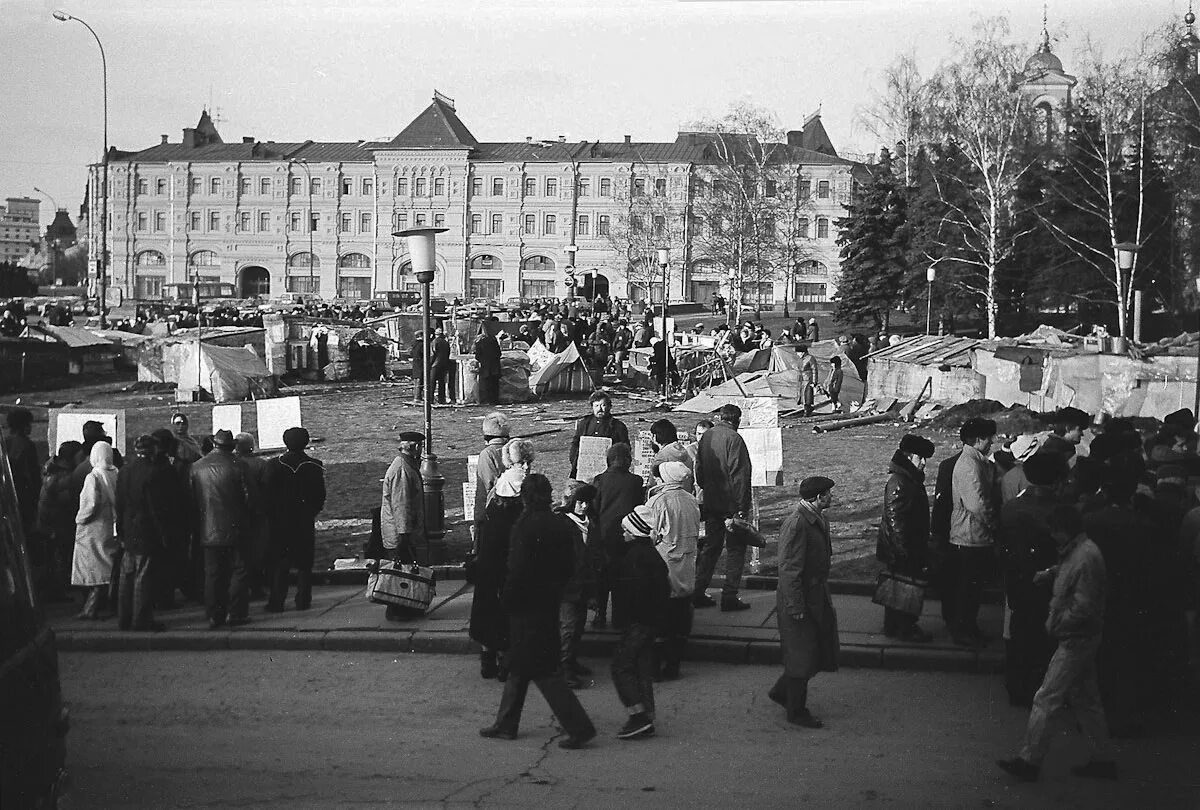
(95, 538)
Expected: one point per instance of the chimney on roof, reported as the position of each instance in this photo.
(528, 139)
(247, 139)
(627, 139)
(164, 139)
(189, 137)
(562, 138)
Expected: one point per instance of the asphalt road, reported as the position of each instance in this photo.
(301, 730)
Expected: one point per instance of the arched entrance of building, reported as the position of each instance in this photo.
(594, 284)
(254, 281)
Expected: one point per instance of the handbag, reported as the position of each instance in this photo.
(900, 592)
(743, 531)
(404, 585)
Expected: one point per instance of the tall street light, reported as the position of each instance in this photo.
(302, 163)
(1196, 403)
(1126, 253)
(664, 260)
(422, 249)
(102, 259)
(930, 275)
(570, 250)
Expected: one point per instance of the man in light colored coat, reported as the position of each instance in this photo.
(402, 511)
(675, 530)
(974, 519)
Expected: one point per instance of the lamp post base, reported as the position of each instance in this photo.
(435, 511)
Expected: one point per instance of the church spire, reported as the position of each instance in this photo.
(1045, 28)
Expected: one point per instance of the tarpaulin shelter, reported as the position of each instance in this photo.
(776, 358)
(563, 373)
(227, 374)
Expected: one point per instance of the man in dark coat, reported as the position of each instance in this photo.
(1026, 548)
(903, 544)
(146, 515)
(218, 485)
(803, 606)
(295, 494)
(258, 518)
(416, 354)
(25, 465)
(601, 422)
(487, 354)
(618, 491)
(439, 363)
(539, 566)
(723, 473)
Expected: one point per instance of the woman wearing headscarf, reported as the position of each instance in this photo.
(489, 620)
(804, 609)
(95, 539)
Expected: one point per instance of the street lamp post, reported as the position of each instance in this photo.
(1196, 401)
(930, 275)
(664, 258)
(422, 249)
(102, 259)
(570, 251)
(734, 303)
(1126, 253)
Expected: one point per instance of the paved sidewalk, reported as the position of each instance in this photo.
(342, 619)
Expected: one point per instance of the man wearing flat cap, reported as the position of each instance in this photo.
(975, 493)
(219, 494)
(1025, 547)
(903, 544)
(295, 488)
(803, 607)
(1066, 432)
(1022, 448)
(402, 512)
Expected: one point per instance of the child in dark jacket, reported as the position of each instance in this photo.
(640, 591)
(577, 509)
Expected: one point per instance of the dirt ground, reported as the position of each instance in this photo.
(354, 427)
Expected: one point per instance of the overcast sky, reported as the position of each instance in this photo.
(345, 70)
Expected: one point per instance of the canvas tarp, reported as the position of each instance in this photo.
(776, 358)
(228, 374)
(563, 373)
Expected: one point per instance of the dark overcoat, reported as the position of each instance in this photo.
(539, 566)
(489, 620)
(810, 644)
(295, 491)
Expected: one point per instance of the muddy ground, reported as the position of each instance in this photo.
(354, 426)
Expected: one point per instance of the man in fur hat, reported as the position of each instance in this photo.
(903, 543)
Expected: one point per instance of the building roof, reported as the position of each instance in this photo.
(930, 350)
(438, 127)
(74, 337)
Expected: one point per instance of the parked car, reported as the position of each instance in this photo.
(33, 719)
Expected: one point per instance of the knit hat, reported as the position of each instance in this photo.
(917, 445)
(496, 424)
(1024, 446)
(673, 472)
(637, 522)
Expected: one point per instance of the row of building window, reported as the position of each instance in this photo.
(247, 222)
(265, 186)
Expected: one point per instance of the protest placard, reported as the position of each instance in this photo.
(274, 417)
(593, 457)
(66, 424)
(227, 417)
(643, 455)
(759, 412)
(469, 487)
(765, 446)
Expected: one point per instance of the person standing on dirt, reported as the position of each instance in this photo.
(833, 383)
(903, 542)
(487, 354)
(601, 422)
(723, 475)
(417, 355)
(439, 363)
(974, 520)
(808, 378)
(219, 492)
(295, 495)
(622, 343)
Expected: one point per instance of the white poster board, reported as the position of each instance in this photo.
(469, 486)
(643, 455)
(758, 412)
(274, 417)
(766, 455)
(593, 457)
(227, 417)
(66, 425)
(539, 355)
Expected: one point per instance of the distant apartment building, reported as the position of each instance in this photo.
(19, 228)
(308, 217)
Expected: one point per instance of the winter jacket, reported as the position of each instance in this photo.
(27, 476)
(943, 501)
(810, 644)
(675, 451)
(903, 541)
(617, 492)
(295, 492)
(676, 532)
(608, 427)
(973, 520)
(403, 507)
(579, 586)
(640, 589)
(487, 473)
(723, 472)
(539, 566)
(58, 502)
(1077, 607)
(219, 494)
(487, 354)
(148, 512)
(1026, 547)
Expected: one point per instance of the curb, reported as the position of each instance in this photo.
(595, 645)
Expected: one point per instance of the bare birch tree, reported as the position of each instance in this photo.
(898, 111)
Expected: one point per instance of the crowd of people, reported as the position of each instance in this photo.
(203, 517)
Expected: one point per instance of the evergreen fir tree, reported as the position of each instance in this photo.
(873, 242)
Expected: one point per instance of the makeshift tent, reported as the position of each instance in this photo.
(229, 375)
(563, 373)
(776, 358)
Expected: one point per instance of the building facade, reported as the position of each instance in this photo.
(524, 219)
(19, 228)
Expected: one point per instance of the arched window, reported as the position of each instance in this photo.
(1045, 122)
(300, 260)
(203, 258)
(150, 258)
(538, 263)
(486, 261)
(354, 261)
